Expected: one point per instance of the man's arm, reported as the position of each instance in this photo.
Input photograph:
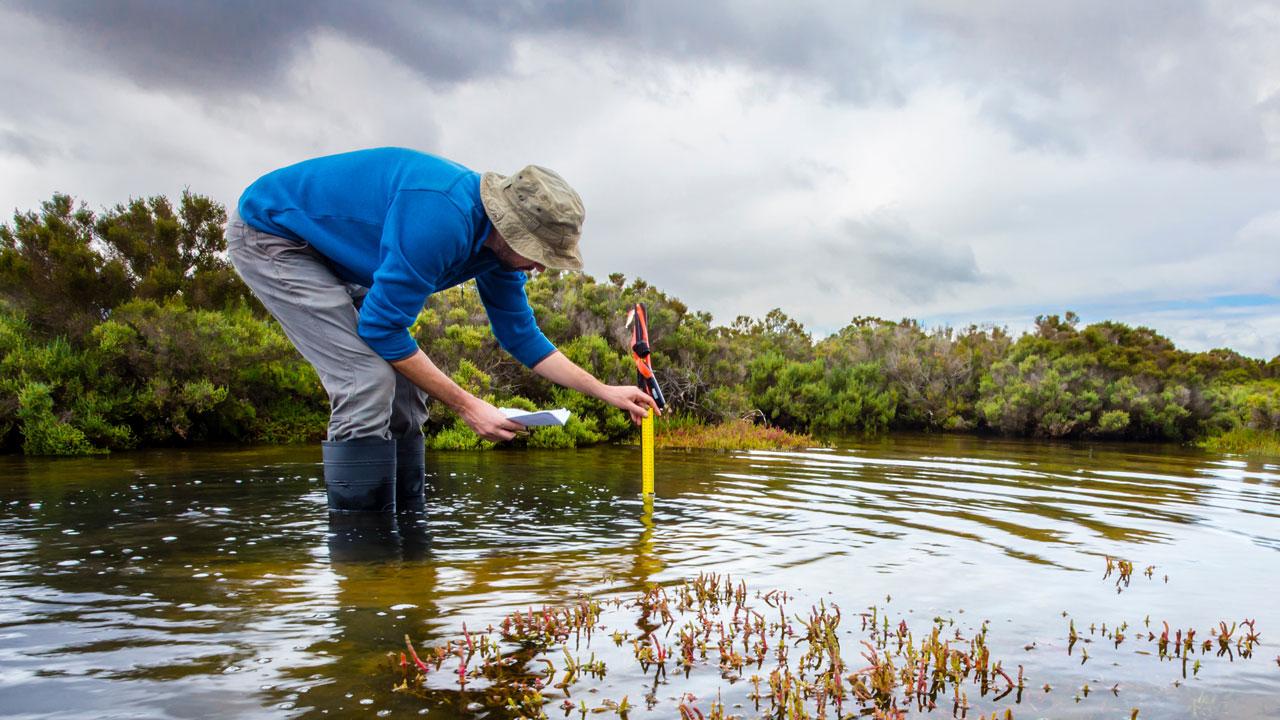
(480, 416)
(502, 292)
(562, 371)
(424, 235)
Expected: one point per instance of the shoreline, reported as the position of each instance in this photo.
(740, 435)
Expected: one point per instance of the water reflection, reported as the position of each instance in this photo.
(366, 538)
(647, 562)
(200, 583)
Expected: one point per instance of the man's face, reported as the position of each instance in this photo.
(512, 260)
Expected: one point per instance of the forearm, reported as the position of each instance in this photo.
(419, 369)
(564, 372)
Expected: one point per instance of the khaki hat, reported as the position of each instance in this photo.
(537, 213)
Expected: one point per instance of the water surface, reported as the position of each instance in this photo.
(193, 584)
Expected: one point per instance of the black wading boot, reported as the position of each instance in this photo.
(360, 475)
(362, 537)
(411, 467)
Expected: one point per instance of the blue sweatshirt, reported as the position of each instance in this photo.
(403, 224)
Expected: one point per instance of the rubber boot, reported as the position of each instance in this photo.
(360, 475)
(415, 536)
(411, 468)
(363, 537)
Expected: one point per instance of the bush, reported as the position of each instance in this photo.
(821, 398)
(42, 432)
(128, 327)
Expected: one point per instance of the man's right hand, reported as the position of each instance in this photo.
(483, 418)
(488, 422)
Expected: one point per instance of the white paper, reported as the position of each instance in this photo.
(537, 418)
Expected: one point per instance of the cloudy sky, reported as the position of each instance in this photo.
(952, 162)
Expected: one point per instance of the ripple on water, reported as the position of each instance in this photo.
(216, 579)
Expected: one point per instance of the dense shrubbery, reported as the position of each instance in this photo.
(128, 328)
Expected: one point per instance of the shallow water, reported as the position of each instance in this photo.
(194, 584)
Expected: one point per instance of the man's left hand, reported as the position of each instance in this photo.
(630, 398)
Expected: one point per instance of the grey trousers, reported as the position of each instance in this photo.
(318, 311)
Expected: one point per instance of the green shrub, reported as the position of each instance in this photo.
(821, 398)
(127, 327)
(1113, 421)
(43, 433)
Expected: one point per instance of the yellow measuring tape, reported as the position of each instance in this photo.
(638, 321)
(646, 450)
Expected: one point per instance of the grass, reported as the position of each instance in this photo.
(1245, 441)
(685, 432)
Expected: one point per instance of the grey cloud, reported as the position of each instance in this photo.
(25, 145)
(202, 43)
(193, 45)
(809, 173)
(879, 251)
(1028, 130)
(888, 254)
(210, 45)
(1178, 78)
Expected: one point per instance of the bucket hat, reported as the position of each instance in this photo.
(537, 213)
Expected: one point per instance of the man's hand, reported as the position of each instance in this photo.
(562, 371)
(630, 398)
(488, 422)
(483, 418)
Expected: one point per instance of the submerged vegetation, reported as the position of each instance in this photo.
(707, 629)
(128, 327)
(668, 648)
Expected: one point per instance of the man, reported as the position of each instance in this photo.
(344, 251)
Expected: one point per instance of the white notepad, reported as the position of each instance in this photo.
(537, 418)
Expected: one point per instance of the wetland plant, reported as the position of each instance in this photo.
(668, 641)
(710, 628)
(1123, 570)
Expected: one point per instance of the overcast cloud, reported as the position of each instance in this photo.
(953, 162)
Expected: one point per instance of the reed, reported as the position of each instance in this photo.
(1245, 441)
(681, 432)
